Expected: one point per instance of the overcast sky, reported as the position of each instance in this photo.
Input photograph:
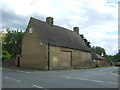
(97, 19)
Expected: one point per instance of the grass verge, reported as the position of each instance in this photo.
(91, 67)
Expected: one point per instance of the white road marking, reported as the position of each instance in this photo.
(37, 86)
(22, 71)
(13, 79)
(72, 73)
(18, 70)
(40, 87)
(114, 74)
(92, 80)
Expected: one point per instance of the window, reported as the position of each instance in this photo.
(30, 30)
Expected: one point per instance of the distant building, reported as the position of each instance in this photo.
(99, 60)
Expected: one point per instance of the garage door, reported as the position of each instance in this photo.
(65, 59)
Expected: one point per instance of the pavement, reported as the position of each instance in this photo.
(87, 78)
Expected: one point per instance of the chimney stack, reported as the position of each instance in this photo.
(49, 20)
(76, 29)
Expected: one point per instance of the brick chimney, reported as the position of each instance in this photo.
(49, 20)
(76, 29)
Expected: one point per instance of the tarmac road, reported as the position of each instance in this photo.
(87, 78)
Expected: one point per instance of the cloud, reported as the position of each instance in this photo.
(11, 20)
(104, 37)
(97, 19)
(14, 21)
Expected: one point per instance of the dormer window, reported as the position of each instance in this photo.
(30, 30)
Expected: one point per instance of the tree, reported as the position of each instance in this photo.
(6, 55)
(99, 50)
(117, 57)
(12, 42)
(114, 58)
(110, 58)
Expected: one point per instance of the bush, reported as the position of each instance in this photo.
(6, 55)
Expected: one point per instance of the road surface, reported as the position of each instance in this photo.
(87, 78)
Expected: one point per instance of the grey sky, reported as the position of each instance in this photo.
(97, 19)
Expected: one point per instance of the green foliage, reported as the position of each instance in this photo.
(99, 50)
(117, 57)
(6, 55)
(110, 58)
(11, 43)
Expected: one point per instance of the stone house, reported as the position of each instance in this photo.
(47, 46)
(99, 60)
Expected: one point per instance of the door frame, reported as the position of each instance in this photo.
(70, 57)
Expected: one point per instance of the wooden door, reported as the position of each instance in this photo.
(18, 62)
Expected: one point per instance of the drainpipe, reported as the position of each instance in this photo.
(48, 57)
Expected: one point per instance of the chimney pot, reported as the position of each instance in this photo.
(76, 29)
(49, 20)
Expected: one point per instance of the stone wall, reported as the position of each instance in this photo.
(11, 62)
(33, 50)
(78, 58)
(103, 63)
